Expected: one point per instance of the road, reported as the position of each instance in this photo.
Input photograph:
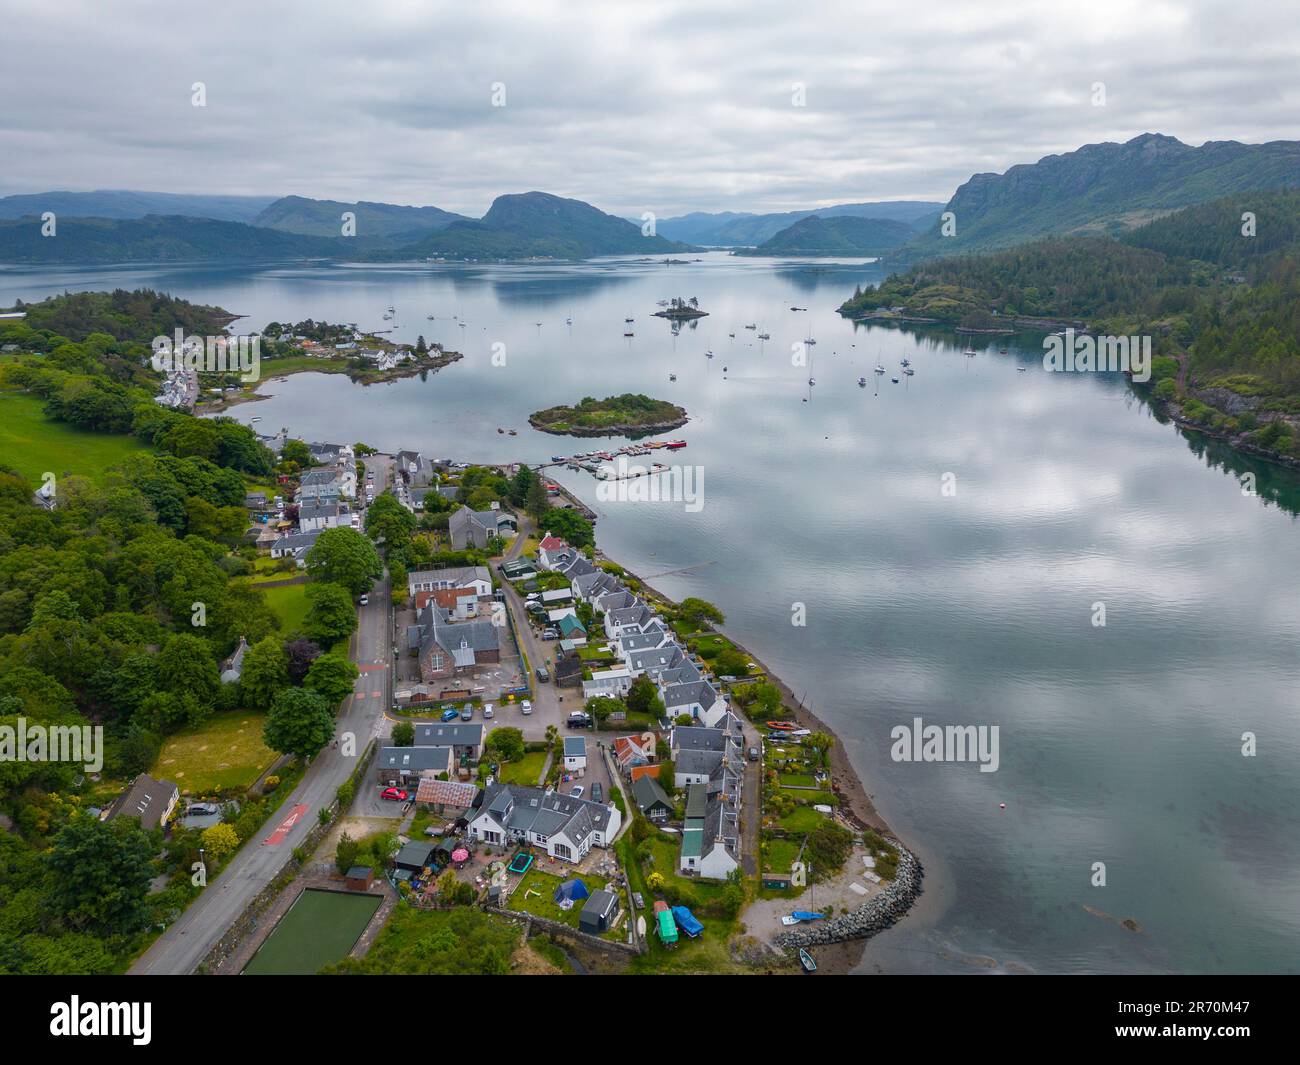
(186, 943)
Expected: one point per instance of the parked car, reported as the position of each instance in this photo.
(450, 715)
(525, 707)
(365, 600)
(579, 719)
(550, 634)
(753, 754)
(467, 712)
(394, 794)
(597, 792)
(487, 709)
(542, 674)
(576, 791)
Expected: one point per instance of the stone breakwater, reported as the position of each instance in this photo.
(875, 915)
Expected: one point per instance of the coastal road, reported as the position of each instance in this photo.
(185, 944)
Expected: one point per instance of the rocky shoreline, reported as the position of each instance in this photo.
(877, 914)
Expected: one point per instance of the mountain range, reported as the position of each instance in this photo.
(1099, 189)
(731, 229)
(1103, 189)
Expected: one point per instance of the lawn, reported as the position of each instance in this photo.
(780, 854)
(289, 602)
(541, 902)
(226, 751)
(321, 928)
(34, 444)
(527, 771)
(798, 780)
(802, 819)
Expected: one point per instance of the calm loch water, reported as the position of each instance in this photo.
(1119, 744)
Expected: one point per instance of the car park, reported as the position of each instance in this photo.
(394, 794)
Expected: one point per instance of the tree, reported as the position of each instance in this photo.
(265, 673)
(643, 697)
(404, 734)
(331, 615)
(302, 653)
(389, 521)
(296, 451)
(100, 874)
(536, 501)
(219, 840)
(698, 611)
(331, 676)
(300, 723)
(506, 743)
(345, 854)
(568, 524)
(821, 744)
(186, 666)
(344, 556)
(601, 706)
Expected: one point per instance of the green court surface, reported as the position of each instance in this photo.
(320, 929)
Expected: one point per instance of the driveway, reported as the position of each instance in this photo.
(186, 943)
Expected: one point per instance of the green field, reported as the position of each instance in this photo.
(290, 604)
(226, 751)
(321, 928)
(34, 444)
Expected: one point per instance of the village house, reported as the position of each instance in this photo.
(415, 468)
(149, 801)
(575, 755)
(406, 765)
(316, 515)
(427, 580)
(710, 837)
(324, 485)
(446, 647)
(474, 528)
(464, 738)
(632, 751)
(564, 827)
(295, 546)
(651, 800)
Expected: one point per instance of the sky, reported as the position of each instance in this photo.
(665, 107)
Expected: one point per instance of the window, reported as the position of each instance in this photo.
(562, 851)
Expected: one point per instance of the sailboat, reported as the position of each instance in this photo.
(879, 369)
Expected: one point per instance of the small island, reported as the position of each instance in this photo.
(626, 415)
(679, 308)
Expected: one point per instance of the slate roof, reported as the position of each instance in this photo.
(647, 793)
(694, 738)
(575, 747)
(420, 759)
(448, 734)
(523, 809)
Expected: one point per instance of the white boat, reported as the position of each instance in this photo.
(862, 382)
(880, 369)
(894, 379)
(811, 381)
(909, 371)
(751, 326)
(970, 353)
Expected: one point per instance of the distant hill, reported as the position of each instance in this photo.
(386, 222)
(156, 238)
(730, 229)
(838, 235)
(1104, 189)
(126, 203)
(532, 224)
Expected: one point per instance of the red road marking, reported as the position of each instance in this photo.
(285, 826)
(376, 694)
(370, 669)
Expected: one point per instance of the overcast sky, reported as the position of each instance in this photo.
(658, 106)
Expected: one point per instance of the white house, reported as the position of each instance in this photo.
(575, 754)
(565, 827)
(607, 682)
(432, 580)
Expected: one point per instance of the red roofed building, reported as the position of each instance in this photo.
(461, 603)
(640, 771)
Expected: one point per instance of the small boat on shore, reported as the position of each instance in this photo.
(675, 445)
(806, 960)
(782, 726)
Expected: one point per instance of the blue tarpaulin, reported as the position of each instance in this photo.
(686, 921)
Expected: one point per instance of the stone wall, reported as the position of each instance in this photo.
(875, 915)
(565, 931)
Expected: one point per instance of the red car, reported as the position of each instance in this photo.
(394, 794)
